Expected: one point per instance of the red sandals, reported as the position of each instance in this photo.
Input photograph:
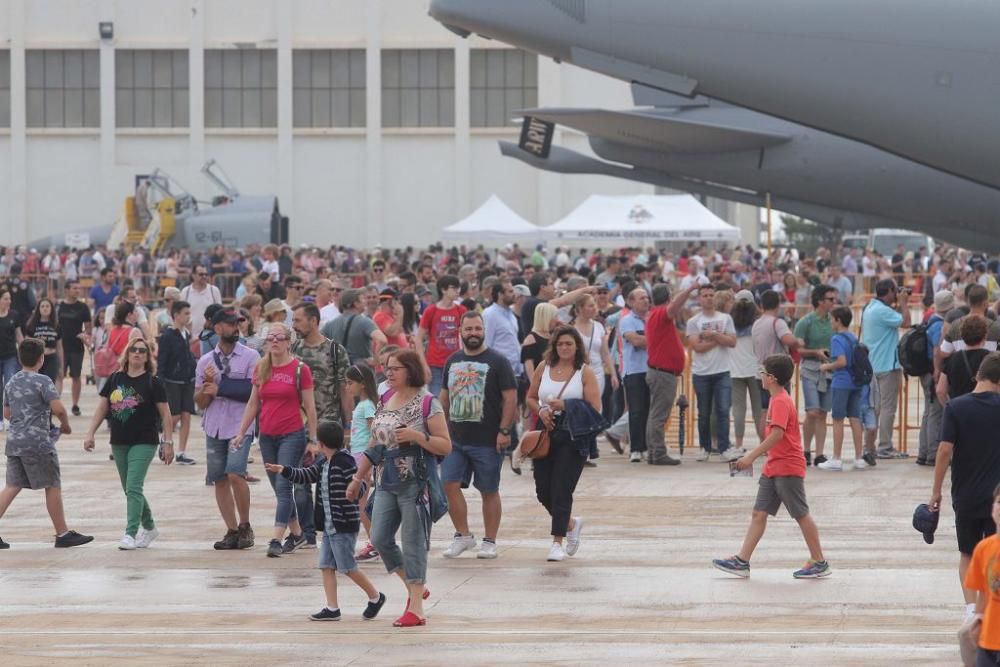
(409, 620)
(427, 594)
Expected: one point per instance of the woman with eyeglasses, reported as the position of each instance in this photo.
(135, 403)
(408, 432)
(282, 388)
(248, 335)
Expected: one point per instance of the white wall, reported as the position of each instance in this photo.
(359, 188)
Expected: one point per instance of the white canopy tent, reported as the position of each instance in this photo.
(493, 223)
(640, 220)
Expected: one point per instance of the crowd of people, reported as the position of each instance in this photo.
(393, 379)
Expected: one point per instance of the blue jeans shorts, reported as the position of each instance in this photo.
(847, 403)
(868, 419)
(336, 552)
(221, 462)
(815, 399)
(479, 464)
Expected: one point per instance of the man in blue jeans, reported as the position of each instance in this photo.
(814, 332)
(479, 397)
(636, 365)
(712, 335)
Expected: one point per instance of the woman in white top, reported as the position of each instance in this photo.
(595, 341)
(564, 374)
(744, 367)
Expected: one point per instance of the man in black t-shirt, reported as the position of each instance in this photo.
(968, 443)
(958, 374)
(74, 331)
(479, 397)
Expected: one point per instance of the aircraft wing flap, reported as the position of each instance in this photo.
(666, 132)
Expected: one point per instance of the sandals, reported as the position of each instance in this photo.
(409, 620)
(427, 594)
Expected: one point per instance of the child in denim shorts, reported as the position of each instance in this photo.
(336, 516)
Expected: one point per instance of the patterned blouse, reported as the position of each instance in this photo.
(384, 427)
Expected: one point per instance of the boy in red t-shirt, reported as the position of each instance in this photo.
(439, 330)
(782, 482)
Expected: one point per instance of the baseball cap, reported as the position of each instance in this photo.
(274, 306)
(745, 295)
(522, 290)
(387, 293)
(925, 521)
(227, 316)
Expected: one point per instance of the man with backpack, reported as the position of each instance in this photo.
(175, 367)
(852, 372)
(930, 425)
(880, 323)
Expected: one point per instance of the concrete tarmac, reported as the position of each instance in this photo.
(641, 590)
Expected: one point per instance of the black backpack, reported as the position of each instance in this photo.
(859, 367)
(914, 349)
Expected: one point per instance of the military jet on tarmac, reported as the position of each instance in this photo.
(851, 68)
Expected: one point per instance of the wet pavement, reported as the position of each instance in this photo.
(641, 590)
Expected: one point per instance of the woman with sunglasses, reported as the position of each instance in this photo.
(282, 388)
(408, 432)
(135, 402)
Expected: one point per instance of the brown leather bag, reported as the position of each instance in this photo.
(535, 444)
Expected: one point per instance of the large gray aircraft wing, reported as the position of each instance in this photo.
(666, 132)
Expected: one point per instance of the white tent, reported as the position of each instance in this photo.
(638, 221)
(493, 223)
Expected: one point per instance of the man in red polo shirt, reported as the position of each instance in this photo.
(666, 363)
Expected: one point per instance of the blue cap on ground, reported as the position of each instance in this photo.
(925, 520)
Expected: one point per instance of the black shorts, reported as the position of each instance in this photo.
(73, 362)
(180, 397)
(971, 530)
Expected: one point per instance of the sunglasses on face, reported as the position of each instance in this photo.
(241, 320)
(200, 274)
(139, 350)
(277, 338)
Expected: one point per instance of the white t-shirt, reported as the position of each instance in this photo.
(328, 312)
(715, 360)
(199, 302)
(272, 268)
(742, 360)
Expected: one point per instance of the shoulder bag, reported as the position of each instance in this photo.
(535, 444)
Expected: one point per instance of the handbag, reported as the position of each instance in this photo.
(535, 444)
(793, 353)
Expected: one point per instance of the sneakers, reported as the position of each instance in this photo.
(75, 410)
(556, 553)
(229, 542)
(891, 453)
(145, 538)
(702, 455)
(460, 545)
(573, 537)
(814, 569)
(860, 464)
(244, 536)
(665, 460)
(735, 565)
(869, 459)
(731, 455)
(127, 543)
(183, 459)
(3, 545)
(487, 550)
(274, 549)
(373, 608)
(71, 539)
(325, 614)
(310, 542)
(819, 459)
(292, 542)
(833, 464)
(367, 555)
(635, 457)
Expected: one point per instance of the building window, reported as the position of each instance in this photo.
(63, 88)
(418, 88)
(329, 88)
(241, 88)
(501, 82)
(4, 88)
(151, 88)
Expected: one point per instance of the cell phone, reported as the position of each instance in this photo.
(733, 472)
